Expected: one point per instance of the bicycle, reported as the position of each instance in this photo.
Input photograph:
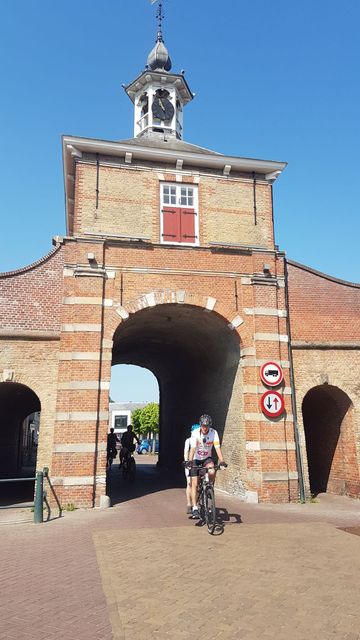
(129, 466)
(206, 497)
(110, 457)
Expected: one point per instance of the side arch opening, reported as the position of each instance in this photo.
(19, 432)
(330, 441)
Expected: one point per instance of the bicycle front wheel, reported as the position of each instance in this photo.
(201, 500)
(210, 509)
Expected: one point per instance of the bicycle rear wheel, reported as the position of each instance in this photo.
(210, 509)
(125, 467)
(132, 469)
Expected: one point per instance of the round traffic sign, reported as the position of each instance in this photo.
(272, 404)
(271, 374)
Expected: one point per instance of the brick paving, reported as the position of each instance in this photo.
(127, 573)
(253, 582)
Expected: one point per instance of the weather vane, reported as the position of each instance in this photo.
(160, 17)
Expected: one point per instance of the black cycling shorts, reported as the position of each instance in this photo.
(194, 471)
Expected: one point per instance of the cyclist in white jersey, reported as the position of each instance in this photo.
(203, 440)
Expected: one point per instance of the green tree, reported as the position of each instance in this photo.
(149, 418)
(136, 420)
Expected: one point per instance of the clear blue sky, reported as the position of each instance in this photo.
(133, 384)
(275, 80)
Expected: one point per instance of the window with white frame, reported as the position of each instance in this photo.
(169, 194)
(179, 214)
(187, 196)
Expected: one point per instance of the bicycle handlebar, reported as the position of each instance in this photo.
(216, 467)
(203, 470)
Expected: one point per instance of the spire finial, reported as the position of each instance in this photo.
(160, 17)
(159, 57)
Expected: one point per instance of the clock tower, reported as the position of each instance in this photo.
(158, 95)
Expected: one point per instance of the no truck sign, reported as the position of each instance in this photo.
(271, 374)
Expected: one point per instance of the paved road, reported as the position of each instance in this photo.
(143, 570)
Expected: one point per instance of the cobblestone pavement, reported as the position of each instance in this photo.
(142, 570)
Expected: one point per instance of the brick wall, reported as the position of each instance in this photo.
(31, 297)
(128, 203)
(323, 309)
(228, 212)
(325, 334)
(33, 363)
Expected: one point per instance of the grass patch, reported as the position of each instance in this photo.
(69, 507)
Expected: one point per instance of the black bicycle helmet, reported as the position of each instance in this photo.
(205, 420)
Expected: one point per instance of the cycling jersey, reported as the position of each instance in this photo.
(204, 442)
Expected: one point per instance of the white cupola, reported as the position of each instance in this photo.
(159, 97)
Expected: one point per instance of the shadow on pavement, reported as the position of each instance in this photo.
(354, 530)
(149, 479)
(223, 516)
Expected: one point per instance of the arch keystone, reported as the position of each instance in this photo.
(180, 296)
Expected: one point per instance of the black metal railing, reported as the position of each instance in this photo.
(46, 475)
(40, 495)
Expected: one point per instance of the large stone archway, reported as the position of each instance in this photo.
(195, 356)
(330, 441)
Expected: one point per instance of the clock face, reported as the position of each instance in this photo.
(162, 108)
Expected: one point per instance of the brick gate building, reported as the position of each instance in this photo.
(169, 262)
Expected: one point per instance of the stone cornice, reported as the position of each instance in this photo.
(17, 334)
(303, 344)
(162, 78)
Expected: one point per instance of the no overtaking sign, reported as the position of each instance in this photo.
(272, 404)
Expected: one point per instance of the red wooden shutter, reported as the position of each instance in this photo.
(187, 225)
(171, 224)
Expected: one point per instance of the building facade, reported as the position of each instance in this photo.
(169, 262)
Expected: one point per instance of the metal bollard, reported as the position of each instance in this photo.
(39, 498)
